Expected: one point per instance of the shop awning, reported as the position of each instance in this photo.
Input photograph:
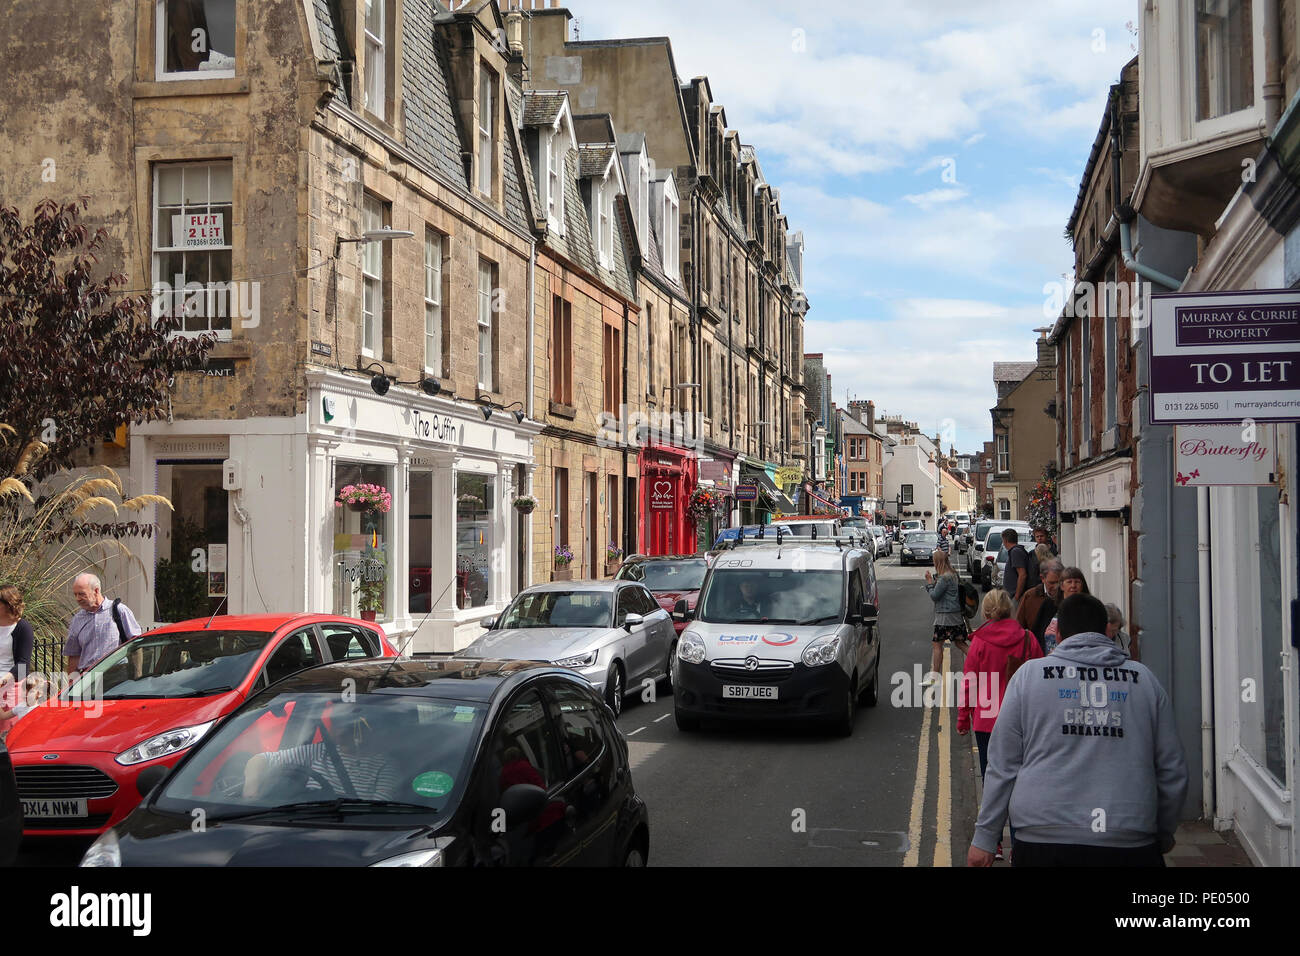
(775, 496)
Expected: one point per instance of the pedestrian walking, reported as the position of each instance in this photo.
(998, 648)
(1115, 628)
(99, 628)
(943, 545)
(1084, 759)
(1038, 607)
(944, 587)
(1072, 582)
(1021, 574)
(16, 635)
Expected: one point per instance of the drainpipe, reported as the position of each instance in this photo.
(1207, 652)
(1272, 65)
(1125, 213)
(532, 317)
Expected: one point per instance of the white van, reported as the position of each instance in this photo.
(781, 632)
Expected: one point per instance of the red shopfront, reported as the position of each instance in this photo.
(668, 476)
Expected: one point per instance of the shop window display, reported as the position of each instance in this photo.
(474, 510)
(362, 518)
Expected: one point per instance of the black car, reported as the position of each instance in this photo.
(11, 811)
(918, 547)
(398, 763)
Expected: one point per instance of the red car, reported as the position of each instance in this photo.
(76, 760)
(670, 578)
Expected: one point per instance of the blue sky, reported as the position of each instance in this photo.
(929, 150)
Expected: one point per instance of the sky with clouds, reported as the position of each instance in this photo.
(929, 150)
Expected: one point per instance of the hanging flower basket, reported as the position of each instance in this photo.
(704, 504)
(525, 504)
(362, 498)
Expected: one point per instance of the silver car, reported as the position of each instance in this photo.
(613, 633)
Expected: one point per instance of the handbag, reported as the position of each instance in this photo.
(1013, 663)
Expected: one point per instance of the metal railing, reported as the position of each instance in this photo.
(47, 656)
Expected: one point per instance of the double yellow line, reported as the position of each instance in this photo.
(943, 808)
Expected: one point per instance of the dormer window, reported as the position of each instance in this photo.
(605, 222)
(376, 65)
(486, 128)
(555, 180)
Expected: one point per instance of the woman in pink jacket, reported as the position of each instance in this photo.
(997, 649)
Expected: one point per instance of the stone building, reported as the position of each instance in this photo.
(741, 342)
(255, 167)
(1097, 384)
(1023, 435)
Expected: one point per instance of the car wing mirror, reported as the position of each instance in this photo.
(680, 611)
(149, 778)
(633, 620)
(490, 624)
(522, 803)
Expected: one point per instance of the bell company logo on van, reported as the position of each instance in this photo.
(779, 639)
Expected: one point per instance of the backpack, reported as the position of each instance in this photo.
(122, 636)
(968, 598)
(1013, 662)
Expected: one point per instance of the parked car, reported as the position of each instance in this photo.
(613, 633)
(11, 811)
(908, 526)
(751, 531)
(669, 579)
(427, 763)
(782, 633)
(992, 552)
(884, 543)
(975, 554)
(917, 548)
(77, 756)
(807, 526)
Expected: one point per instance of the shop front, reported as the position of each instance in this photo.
(410, 518)
(1094, 508)
(769, 499)
(668, 476)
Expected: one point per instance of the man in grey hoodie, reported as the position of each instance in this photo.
(1084, 757)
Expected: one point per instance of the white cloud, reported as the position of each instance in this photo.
(935, 197)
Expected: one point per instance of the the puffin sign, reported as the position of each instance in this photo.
(1224, 357)
(661, 495)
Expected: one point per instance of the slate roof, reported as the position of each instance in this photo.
(1013, 371)
(594, 160)
(428, 123)
(541, 108)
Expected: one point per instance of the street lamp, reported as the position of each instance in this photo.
(373, 235)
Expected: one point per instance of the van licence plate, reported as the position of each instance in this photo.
(54, 809)
(749, 692)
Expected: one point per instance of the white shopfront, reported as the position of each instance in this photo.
(1094, 530)
(452, 551)
(256, 524)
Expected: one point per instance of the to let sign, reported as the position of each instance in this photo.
(1223, 357)
(196, 230)
(1224, 455)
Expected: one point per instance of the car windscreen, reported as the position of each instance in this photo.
(804, 529)
(773, 595)
(853, 522)
(922, 539)
(559, 609)
(292, 749)
(674, 575)
(178, 664)
(993, 542)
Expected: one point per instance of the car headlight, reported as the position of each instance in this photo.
(418, 858)
(824, 650)
(104, 852)
(691, 649)
(584, 660)
(173, 741)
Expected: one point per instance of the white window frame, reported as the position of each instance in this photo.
(485, 356)
(375, 89)
(1004, 453)
(433, 255)
(160, 51)
(178, 296)
(555, 180)
(486, 129)
(1237, 119)
(373, 214)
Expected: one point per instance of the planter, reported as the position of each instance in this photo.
(360, 507)
(525, 510)
(562, 574)
(612, 565)
(369, 615)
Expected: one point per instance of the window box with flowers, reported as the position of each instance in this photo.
(563, 558)
(613, 558)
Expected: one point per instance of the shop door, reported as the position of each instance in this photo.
(191, 577)
(591, 558)
(661, 524)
